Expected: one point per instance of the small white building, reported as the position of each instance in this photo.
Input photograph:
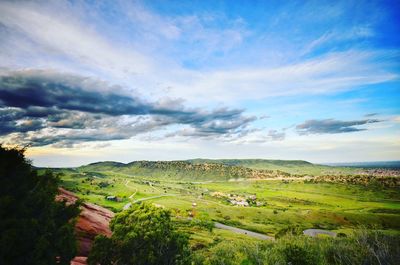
(239, 203)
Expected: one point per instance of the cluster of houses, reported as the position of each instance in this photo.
(239, 200)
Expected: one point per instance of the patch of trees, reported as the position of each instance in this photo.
(183, 168)
(35, 229)
(142, 235)
(366, 180)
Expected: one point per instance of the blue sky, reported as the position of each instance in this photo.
(83, 81)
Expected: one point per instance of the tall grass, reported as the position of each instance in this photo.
(367, 248)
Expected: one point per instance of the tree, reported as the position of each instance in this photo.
(142, 235)
(35, 229)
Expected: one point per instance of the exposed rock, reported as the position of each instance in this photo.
(92, 221)
(79, 261)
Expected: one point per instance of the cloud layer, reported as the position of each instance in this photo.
(331, 126)
(64, 108)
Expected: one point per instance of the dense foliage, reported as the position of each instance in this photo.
(35, 229)
(143, 235)
(362, 248)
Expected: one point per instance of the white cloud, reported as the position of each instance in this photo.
(317, 149)
(64, 37)
(327, 74)
(335, 36)
(64, 40)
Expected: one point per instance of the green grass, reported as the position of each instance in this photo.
(290, 206)
(363, 247)
(331, 206)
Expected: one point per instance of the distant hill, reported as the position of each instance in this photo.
(289, 166)
(204, 170)
(180, 170)
(253, 163)
(374, 164)
(103, 166)
(209, 169)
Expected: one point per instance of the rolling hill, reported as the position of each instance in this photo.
(289, 166)
(180, 170)
(208, 169)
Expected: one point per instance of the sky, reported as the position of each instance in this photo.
(87, 81)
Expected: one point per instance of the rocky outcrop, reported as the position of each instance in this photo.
(79, 261)
(93, 220)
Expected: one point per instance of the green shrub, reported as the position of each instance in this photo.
(142, 235)
(295, 254)
(364, 247)
(203, 222)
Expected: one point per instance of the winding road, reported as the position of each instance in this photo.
(243, 231)
(128, 205)
(315, 232)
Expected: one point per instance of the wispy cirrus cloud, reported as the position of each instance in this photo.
(335, 36)
(160, 48)
(331, 73)
(54, 33)
(332, 126)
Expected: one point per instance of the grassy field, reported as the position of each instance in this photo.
(365, 215)
(283, 205)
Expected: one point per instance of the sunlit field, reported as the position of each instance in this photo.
(283, 204)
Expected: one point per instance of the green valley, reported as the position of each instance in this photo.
(265, 200)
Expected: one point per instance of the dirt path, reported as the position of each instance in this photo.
(153, 197)
(133, 194)
(128, 205)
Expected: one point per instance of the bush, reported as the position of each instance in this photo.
(231, 253)
(203, 221)
(295, 254)
(291, 230)
(142, 235)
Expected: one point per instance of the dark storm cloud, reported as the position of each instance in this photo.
(41, 89)
(218, 122)
(90, 110)
(14, 120)
(22, 127)
(331, 126)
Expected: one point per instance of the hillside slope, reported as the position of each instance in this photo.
(289, 166)
(181, 170)
(209, 169)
